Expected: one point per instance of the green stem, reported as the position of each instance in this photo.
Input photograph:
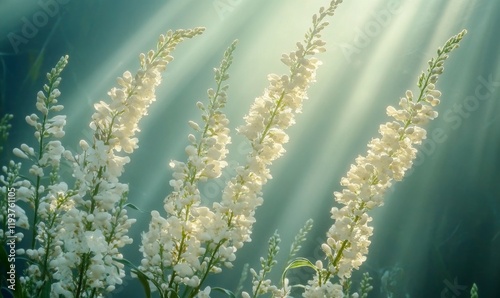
(38, 179)
(35, 215)
(210, 264)
(83, 269)
(421, 95)
(85, 260)
(40, 154)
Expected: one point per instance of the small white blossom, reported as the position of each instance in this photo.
(205, 293)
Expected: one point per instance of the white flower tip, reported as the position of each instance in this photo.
(409, 94)
(327, 249)
(191, 150)
(319, 264)
(41, 96)
(194, 125)
(200, 105)
(84, 145)
(19, 153)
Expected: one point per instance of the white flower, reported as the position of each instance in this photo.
(205, 293)
(96, 242)
(327, 289)
(55, 126)
(183, 269)
(17, 152)
(57, 289)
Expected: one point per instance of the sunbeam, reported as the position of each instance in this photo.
(438, 230)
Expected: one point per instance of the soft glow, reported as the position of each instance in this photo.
(375, 51)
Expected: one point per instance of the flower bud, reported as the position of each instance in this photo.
(84, 145)
(194, 125)
(319, 264)
(327, 249)
(409, 95)
(19, 153)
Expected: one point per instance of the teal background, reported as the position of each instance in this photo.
(439, 230)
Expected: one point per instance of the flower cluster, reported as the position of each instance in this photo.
(9, 181)
(116, 123)
(99, 219)
(387, 160)
(180, 241)
(45, 159)
(316, 288)
(80, 230)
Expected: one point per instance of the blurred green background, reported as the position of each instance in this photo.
(439, 230)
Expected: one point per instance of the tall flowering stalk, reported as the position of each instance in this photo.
(105, 223)
(177, 244)
(45, 160)
(387, 160)
(8, 198)
(268, 118)
(261, 285)
(79, 231)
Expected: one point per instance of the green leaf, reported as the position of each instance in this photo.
(45, 290)
(225, 291)
(143, 278)
(27, 260)
(297, 263)
(132, 206)
(242, 280)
